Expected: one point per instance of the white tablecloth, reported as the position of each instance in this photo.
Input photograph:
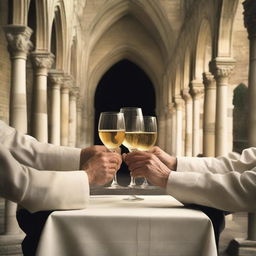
(156, 226)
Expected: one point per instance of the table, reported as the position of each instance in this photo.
(111, 226)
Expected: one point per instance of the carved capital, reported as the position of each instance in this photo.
(222, 67)
(250, 17)
(56, 78)
(197, 89)
(43, 59)
(74, 92)
(186, 95)
(209, 81)
(67, 82)
(179, 102)
(18, 38)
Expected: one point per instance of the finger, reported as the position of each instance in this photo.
(135, 165)
(134, 158)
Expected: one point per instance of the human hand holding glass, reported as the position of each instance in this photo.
(147, 138)
(111, 130)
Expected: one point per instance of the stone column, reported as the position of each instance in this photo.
(209, 114)
(18, 46)
(188, 121)
(197, 93)
(174, 131)
(248, 246)
(79, 122)
(161, 129)
(56, 79)
(222, 68)
(65, 110)
(42, 62)
(168, 134)
(72, 116)
(179, 109)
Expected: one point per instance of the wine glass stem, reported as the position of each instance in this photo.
(114, 182)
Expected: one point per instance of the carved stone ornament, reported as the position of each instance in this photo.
(55, 77)
(186, 95)
(74, 91)
(197, 89)
(222, 67)
(18, 38)
(250, 17)
(43, 59)
(179, 102)
(209, 81)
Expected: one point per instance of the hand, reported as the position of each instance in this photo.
(169, 161)
(102, 167)
(87, 153)
(146, 164)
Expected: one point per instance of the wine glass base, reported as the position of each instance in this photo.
(133, 198)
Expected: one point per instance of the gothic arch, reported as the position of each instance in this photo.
(123, 52)
(227, 15)
(151, 17)
(203, 53)
(187, 68)
(20, 12)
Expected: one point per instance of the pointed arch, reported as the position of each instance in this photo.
(151, 17)
(203, 53)
(225, 33)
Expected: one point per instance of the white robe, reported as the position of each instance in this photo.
(40, 176)
(227, 183)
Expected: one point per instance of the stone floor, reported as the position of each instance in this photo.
(236, 225)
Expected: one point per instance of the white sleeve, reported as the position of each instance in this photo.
(233, 162)
(41, 190)
(42, 156)
(232, 191)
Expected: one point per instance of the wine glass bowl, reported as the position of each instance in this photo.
(111, 130)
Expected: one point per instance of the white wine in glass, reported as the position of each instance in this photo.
(111, 130)
(147, 138)
(133, 127)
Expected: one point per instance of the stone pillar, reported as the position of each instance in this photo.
(42, 62)
(65, 110)
(18, 46)
(222, 68)
(197, 93)
(56, 79)
(239, 246)
(179, 109)
(188, 121)
(209, 114)
(174, 132)
(161, 129)
(79, 122)
(72, 116)
(168, 134)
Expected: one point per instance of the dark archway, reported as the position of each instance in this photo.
(123, 85)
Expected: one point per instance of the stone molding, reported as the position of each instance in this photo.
(43, 59)
(74, 92)
(18, 38)
(250, 17)
(179, 102)
(67, 83)
(56, 78)
(186, 95)
(197, 89)
(222, 68)
(209, 81)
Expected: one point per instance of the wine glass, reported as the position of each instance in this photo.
(111, 130)
(147, 138)
(134, 125)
